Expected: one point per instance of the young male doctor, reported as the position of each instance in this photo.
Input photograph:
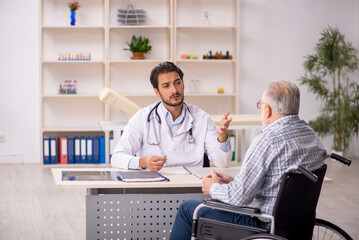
(170, 132)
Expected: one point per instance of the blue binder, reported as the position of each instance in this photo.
(89, 150)
(46, 150)
(96, 150)
(70, 150)
(83, 152)
(77, 150)
(53, 150)
(102, 150)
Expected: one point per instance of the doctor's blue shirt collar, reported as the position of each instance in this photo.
(173, 125)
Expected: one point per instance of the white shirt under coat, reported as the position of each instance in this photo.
(139, 135)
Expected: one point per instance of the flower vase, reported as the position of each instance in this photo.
(73, 19)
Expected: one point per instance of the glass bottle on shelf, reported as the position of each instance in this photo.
(205, 20)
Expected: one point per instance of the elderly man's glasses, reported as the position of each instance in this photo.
(259, 104)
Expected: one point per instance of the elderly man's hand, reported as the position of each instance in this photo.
(208, 181)
(223, 126)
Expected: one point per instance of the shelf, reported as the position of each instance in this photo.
(210, 95)
(205, 61)
(94, 129)
(140, 27)
(216, 28)
(174, 27)
(186, 94)
(72, 27)
(72, 61)
(69, 96)
(74, 165)
(139, 61)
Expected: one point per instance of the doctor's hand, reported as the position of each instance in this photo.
(223, 126)
(153, 163)
(208, 181)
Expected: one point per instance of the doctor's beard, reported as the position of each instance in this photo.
(173, 104)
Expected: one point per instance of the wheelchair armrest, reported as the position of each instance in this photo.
(217, 203)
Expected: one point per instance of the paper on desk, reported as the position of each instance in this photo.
(173, 170)
(207, 171)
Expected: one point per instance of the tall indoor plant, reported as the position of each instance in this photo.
(326, 74)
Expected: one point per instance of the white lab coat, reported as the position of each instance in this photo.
(138, 133)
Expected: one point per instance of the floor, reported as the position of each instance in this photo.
(31, 207)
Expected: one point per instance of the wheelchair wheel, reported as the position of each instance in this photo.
(327, 230)
(263, 236)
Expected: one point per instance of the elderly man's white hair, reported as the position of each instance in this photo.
(283, 97)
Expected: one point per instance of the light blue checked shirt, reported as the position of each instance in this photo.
(285, 142)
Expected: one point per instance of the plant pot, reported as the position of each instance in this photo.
(138, 55)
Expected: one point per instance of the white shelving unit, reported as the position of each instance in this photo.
(174, 27)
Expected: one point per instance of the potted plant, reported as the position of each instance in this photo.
(327, 75)
(138, 46)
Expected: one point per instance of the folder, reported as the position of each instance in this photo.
(77, 150)
(102, 150)
(46, 150)
(96, 150)
(70, 150)
(83, 152)
(53, 151)
(112, 147)
(89, 157)
(63, 150)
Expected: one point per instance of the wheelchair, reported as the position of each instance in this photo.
(293, 215)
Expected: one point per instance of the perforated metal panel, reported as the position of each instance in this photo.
(132, 216)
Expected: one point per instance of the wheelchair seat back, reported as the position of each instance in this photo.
(294, 210)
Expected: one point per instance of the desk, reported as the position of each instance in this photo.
(119, 210)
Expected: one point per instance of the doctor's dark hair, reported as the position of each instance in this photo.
(165, 67)
(283, 97)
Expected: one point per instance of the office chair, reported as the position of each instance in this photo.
(206, 160)
(293, 213)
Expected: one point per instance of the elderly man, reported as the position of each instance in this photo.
(284, 141)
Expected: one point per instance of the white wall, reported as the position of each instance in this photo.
(275, 35)
(19, 91)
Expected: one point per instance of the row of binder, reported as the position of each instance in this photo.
(66, 150)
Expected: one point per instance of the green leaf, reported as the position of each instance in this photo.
(326, 75)
(138, 44)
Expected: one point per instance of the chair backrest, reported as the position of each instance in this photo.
(294, 210)
(206, 161)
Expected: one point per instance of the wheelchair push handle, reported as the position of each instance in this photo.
(311, 176)
(341, 159)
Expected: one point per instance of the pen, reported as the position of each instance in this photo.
(166, 178)
(187, 169)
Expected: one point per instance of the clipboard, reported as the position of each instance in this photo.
(140, 176)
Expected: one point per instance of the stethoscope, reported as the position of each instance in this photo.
(156, 132)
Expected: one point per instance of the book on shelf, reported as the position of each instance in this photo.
(70, 150)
